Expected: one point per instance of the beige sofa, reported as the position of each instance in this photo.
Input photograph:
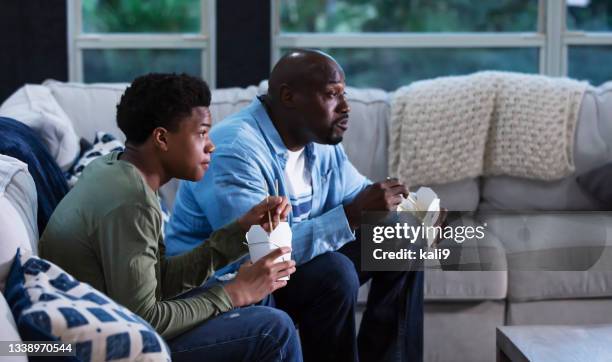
(462, 308)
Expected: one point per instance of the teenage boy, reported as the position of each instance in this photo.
(107, 232)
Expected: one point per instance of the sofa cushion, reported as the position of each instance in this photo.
(21, 193)
(14, 236)
(50, 305)
(17, 213)
(225, 102)
(90, 107)
(513, 193)
(35, 106)
(18, 187)
(462, 195)
(93, 107)
(465, 285)
(592, 144)
(533, 285)
(476, 269)
(555, 255)
(9, 332)
(552, 241)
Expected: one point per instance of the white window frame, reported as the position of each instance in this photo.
(551, 38)
(78, 41)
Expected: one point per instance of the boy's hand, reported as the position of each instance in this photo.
(279, 208)
(255, 281)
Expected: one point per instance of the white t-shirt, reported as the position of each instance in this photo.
(299, 185)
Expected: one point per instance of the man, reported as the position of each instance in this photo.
(107, 232)
(291, 136)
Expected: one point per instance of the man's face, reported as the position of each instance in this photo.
(189, 147)
(321, 107)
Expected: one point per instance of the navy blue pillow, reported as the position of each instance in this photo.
(21, 142)
(598, 184)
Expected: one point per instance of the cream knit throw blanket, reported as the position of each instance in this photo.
(487, 123)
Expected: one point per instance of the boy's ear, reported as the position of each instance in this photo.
(160, 138)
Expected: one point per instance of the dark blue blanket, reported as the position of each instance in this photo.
(21, 142)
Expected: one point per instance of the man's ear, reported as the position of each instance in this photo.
(287, 97)
(160, 138)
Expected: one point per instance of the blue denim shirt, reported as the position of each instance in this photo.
(250, 155)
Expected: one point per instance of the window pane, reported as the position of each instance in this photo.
(341, 16)
(391, 68)
(589, 15)
(121, 65)
(137, 16)
(586, 63)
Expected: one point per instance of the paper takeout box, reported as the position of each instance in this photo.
(261, 243)
(424, 204)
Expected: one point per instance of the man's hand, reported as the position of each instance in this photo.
(255, 281)
(380, 196)
(278, 206)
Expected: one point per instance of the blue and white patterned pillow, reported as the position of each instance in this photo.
(50, 305)
(104, 143)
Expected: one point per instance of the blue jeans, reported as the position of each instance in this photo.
(255, 333)
(321, 298)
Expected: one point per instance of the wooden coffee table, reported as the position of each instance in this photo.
(554, 343)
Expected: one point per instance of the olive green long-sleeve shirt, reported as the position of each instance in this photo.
(107, 231)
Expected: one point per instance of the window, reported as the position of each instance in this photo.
(388, 44)
(380, 16)
(589, 40)
(117, 40)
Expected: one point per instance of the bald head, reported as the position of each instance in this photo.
(306, 99)
(303, 69)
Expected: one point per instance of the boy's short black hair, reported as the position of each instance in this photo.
(159, 100)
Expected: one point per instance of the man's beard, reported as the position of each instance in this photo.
(335, 136)
(330, 139)
(334, 140)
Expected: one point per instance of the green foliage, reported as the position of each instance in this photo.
(408, 15)
(137, 16)
(123, 65)
(392, 68)
(597, 16)
(384, 68)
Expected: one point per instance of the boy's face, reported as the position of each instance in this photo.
(189, 147)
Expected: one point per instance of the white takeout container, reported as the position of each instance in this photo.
(424, 205)
(261, 243)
